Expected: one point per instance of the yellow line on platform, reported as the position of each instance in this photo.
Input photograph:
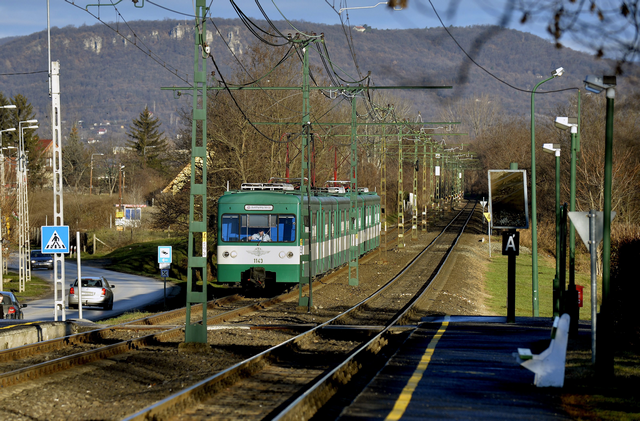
(406, 394)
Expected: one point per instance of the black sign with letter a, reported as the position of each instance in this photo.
(511, 243)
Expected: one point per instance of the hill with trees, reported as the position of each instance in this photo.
(109, 74)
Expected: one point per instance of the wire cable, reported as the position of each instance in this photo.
(482, 68)
(150, 54)
(24, 73)
(240, 109)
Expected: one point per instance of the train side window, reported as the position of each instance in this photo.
(313, 225)
(286, 228)
(333, 222)
(326, 225)
(230, 228)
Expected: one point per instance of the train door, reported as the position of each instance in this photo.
(312, 246)
(325, 242)
(332, 241)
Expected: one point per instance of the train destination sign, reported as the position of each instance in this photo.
(508, 203)
(258, 207)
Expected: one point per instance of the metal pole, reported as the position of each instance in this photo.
(91, 176)
(563, 266)
(557, 291)
(58, 205)
(604, 365)
(79, 275)
(575, 147)
(511, 283)
(593, 247)
(534, 219)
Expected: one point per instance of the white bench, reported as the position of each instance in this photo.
(548, 366)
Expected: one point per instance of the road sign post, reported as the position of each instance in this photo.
(511, 248)
(165, 258)
(591, 232)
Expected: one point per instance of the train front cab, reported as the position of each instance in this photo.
(241, 258)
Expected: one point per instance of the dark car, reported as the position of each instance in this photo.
(96, 291)
(41, 260)
(11, 307)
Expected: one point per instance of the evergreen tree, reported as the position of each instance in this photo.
(147, 141)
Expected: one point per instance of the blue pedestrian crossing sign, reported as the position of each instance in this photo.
(55, 239)
(164, 254)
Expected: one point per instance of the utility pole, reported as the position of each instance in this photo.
(400, 193)
(197, 248)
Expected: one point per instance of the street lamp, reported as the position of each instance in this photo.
(534, 217)
(604, 363)
(13, 129)
(8, 106)
(120, 185)
(554, 148)
(91, 172)
(571, 299)
(24, 265)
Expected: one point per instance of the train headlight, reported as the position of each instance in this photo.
(225, 254)
(290, 254)
(282, 254)
(234, 254)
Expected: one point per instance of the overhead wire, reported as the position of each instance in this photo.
(174, 71)
(254, 28)
(482, 68)
(24, 73)
(240, 108)
(242, 65)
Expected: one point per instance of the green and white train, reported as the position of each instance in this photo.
(279, 254)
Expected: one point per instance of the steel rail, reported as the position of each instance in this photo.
(194, 394)
(319, 393)
(402, 272)
(50, 345)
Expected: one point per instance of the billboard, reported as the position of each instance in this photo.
(508, 202)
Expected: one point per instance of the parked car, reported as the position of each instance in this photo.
(11, 307)
(96, 291)
(41, 260)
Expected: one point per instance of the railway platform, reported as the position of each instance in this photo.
(463, 369)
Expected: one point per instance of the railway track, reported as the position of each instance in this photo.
(44, 360)
(297, 378)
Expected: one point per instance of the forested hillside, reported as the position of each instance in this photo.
(112, 73)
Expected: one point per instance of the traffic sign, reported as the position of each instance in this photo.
(580, 221)
(164, 273)
(487, 215)
(510, 243)
(164, 254)
(55, 239)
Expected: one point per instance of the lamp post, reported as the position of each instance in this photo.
(558, 289)
(604, 362)
(24, 265)
(91, 171)
(13, 129)
(120, 185)
(534, 217)
(570, 301)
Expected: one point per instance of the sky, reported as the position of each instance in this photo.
(25, 17)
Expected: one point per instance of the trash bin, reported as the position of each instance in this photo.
(580, 289)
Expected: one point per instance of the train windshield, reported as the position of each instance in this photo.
(259, 228)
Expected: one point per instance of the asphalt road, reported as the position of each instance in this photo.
(130, 292)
